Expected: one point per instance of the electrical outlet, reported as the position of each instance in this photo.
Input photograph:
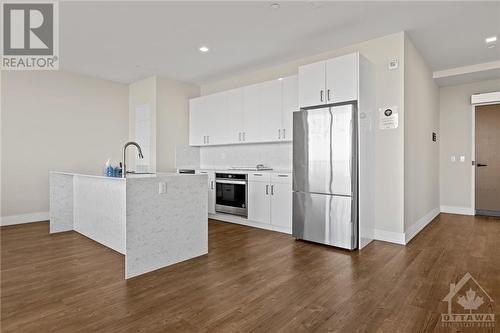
(162, 188)
(453, 158)
(462, 158)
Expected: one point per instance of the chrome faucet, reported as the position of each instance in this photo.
(131, 143)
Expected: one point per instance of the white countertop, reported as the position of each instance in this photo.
(129, 176)
(245, 171)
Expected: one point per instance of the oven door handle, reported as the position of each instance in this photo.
(236, 182)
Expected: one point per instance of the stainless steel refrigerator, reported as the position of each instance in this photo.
(325, 176)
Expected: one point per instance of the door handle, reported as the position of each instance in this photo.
(321, 95)
(481, 165)
(267, 189)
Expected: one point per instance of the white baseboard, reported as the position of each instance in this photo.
(24, 218)
(457, 210)
(389, 236)
(414, 229)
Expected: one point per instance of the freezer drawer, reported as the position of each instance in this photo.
(324, 219)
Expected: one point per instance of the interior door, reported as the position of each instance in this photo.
(487, 146)
(312, 82)
(342, 79)
(259, 204)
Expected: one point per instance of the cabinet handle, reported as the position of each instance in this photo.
(279, 134)
(321, 95)
(257, 174)
(284, 136)
(204, 139)
(328, 94)
(244, 139)
(212, 185)
(272, 189)
(208, 138)
(267, 189)
(239, 136)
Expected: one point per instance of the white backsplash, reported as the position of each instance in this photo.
(275, 155)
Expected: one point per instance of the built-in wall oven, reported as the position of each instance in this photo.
(231, 195)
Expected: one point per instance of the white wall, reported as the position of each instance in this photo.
(389, 167)
(421, 98)
(172, 119)
(54, 120)
(141, 94)
(456, 131)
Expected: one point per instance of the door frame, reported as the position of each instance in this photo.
(478, 100)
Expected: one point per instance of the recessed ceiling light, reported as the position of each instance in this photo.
(204, 49)
(275, 5)
(491, 39)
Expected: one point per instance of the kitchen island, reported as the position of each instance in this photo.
(155, 220)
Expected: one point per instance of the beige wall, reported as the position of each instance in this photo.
(55, 120)
(172, 119)
(389, 91)
(421, 99)
(140, 93)
(456, 129)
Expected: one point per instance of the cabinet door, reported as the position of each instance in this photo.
(233, 115)
(259, 204)
(251, 113)
(290, 104)
(214, 119)
(211, 189)
(342, 79)
(312, 82)
(196, 121)
(281, 205)
(271, 110)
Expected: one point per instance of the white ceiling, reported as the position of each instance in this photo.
(127, 41)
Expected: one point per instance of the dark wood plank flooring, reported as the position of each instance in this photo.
(251, 280)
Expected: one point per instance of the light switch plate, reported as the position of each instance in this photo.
(453, 158)
(162, 188)
(462, 158)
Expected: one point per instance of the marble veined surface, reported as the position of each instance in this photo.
(154, 220)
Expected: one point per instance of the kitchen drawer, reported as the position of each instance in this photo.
(282, 177)
(259, 177)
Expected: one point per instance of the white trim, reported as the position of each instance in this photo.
(486, 66)
(389, 236)
(486, 98)
(457, 210)
(473, 159)
(421, 223)
(24, 218)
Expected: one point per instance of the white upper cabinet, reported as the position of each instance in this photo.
(342, 79)
(251, 113)
(290, 104)
(271, 110)
(257, 113)
(312, 81)
(327, 82)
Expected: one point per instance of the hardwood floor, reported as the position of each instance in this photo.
(251, 280)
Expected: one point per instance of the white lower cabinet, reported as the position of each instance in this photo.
(281, 205)
(259, 204)
(270, 200)
(211, 189)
